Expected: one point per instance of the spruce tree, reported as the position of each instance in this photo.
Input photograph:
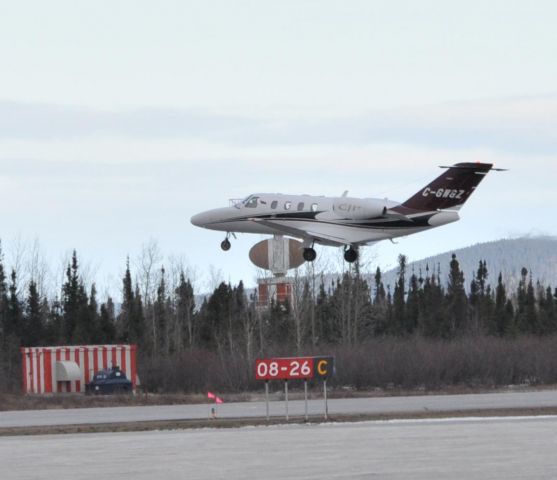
(485, 305)
(84, 319)
(107, 323)
(532, 325)
(546, 308)
(162, 314)
(340, 301)
(185, 313)
(3, 298)
(412, 305)
(15, 327)
(324, 326)
(363, 321)
(456, 300)
(137, 325)
(432, 317)
(54, 328)
(503, 315)
(71, 301)
(35, 321)
(399, 304)
(379, 310)
(131, 323)
(550, 313)
(520, 320)
(125, 317)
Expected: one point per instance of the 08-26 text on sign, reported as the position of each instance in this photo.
(294, 368)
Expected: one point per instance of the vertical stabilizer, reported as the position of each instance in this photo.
(451, 189)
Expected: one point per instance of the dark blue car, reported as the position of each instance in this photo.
(111, 380)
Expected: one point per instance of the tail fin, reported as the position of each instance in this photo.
(451, 189)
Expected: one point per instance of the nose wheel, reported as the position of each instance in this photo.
(309, 254)
(351, 255)
(225, 244)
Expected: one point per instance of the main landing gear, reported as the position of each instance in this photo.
(350, 254)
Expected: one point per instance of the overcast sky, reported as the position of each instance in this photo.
(121, 119)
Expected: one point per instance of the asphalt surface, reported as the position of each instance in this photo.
(486, 448)
(353, 406)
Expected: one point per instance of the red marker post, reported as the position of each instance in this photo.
(218, 401)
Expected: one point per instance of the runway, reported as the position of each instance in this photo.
(337, 407)
(486, 448)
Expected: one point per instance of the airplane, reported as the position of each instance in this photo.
(346, 221)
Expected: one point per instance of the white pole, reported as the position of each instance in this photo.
(306, 398)
(267, 399)
(325, 393)
(286, 397)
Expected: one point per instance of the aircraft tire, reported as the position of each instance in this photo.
(350, 255)
(225, 244)
(309, 254)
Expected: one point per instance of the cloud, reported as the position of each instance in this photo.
(526, 124)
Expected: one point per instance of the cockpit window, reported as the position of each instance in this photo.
(287, 205)
(300, 206)
(251, 202)
(274, 204)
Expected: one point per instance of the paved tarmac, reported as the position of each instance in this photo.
(353, 406)
(486, 448)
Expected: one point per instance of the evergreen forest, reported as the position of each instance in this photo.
(424, 331)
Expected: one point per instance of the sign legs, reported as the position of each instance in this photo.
(325, 396)
(286, 397)
(267, 400)
(306, 399)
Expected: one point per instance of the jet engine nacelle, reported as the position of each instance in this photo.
(358, 208)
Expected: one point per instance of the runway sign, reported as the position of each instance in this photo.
(294, 368)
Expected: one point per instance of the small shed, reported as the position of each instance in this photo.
(69, 368)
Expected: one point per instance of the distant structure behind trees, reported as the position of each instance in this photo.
(165, 321)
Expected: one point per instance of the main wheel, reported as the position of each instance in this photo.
(309, 254)
(225, 245)
(350, 255)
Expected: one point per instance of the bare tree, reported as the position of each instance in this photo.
(38, 269)
(148, 265)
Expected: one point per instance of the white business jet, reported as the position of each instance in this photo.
(346, 221)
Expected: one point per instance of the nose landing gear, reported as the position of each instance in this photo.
(309, 254)
(225, 244)
(350, 254)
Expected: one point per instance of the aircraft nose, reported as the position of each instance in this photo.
(199, 220)
(212, 218)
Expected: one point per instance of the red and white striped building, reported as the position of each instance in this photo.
(68, 369)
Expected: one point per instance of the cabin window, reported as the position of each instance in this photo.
(287, 205)
(252, 202)
(314, 207)
(274, 204)
(300, 206)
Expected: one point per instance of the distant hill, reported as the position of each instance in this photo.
(508, 256)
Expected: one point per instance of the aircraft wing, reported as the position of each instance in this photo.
(316, 232)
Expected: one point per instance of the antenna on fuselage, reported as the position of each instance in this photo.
(345, 193)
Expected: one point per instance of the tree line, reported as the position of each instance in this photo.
(229, 325)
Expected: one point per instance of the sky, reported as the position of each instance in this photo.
(119, 120)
